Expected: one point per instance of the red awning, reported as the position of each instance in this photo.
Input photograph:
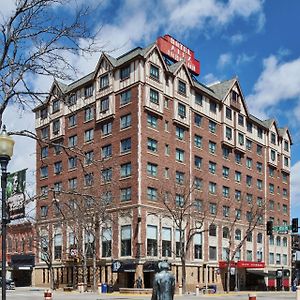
(242, 264)
(271, 282)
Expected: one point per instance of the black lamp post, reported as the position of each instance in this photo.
(6, 152)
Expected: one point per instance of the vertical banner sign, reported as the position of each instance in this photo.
(16, 183)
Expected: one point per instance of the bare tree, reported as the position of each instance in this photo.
(36, 41)
(188, 213)
(243, 215)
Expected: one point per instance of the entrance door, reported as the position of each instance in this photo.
(130, 280)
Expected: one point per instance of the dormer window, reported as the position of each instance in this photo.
(154, 72)
(104, 81)
(88, 91)
(198, 99)
(259, 132)
(241, 120)
(44, 113)
(181, 87)
(286, 146)
(234, 96)
(72, 99)
(213, 106)
(55, 106)
(125, 72)
(273, 138)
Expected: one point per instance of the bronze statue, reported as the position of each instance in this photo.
(139, 282)
(163, 283)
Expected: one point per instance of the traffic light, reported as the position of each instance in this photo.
(295, 225)
(269, 228)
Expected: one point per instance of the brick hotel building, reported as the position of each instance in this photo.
(150, 120)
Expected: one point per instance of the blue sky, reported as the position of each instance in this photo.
(257, 41)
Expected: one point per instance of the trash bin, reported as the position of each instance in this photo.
(110, 288)
(104, 288)
(213, 287)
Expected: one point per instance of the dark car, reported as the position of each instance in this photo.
(10, 284)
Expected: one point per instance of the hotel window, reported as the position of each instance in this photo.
(57, 167)
(249, 127)
(154, 96)
(212, 231)
(104, 81)
(125, 194)
(44, 152)
(198, 204)
(259, 149)
(212, 126)
(259, 167)
(241, 120)
(259, 201)
(88, 114)
(197, 245)
(284, 259)
(88, 91)
(271, 258)
(197, 120)
(106, 151)
(181, 110)
(238, 176)
(125, 97)
(198, 162)
(179, 155)
(72, 99)
(284, 177)
(104, 105)
(57, 246)
(259, 184)
(286, 161)
(249, 216)
(88, 157)
(271, 188)
(225, 253)
(72, 120)
(249, 255)
(44, 172)
(154, 72)
(125, 145)
(125, 72)
(212, 252)
(44, 211)
(259, 132)
(212, 147)
(179, 177)
(284, 242)
(58, 147)
(72, 162)
(198, 183)
(249, 198)
(225, 152)
(278, 259)
(249, 180)
(225, 172)
(44, 113)
(228, 133)
(225, 211)
(179, 200)
(212, 187)
(180, 133)
(226, 191)
(249, 237)
(57, 187)
(44, 191)
(273, 155)
(181, 87)
(228, 113)
(152, 121)
(125, 121)
(198, 99)
(212, 106)
(152, 145)
(151, 240)
(238, 214)
(106, 128)
(278, 241)
(212, 166)
(238, 157)
(126, 240)
(56, 126)
(151, 169)
(72, 183)
(45, 132)
(179, 236)
(238, 235)
(241, 139)
(249, 163)
(125, 170)
(106, 175)
(106, 238)
(166, 242)
(273, 138)
(88, 179)
(225, 233)
(88, 135)
(55, 106)
(198, 141)
(284, 193)
(152, 194)
(286, 146)
(167, 149)
(238, 195)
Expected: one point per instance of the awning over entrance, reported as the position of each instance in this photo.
(242, 264)
(118, 266)
(22, 262)
(150, 266)
(258, 272)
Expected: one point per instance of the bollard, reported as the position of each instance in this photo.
(197, 290)
(47, 295)
(180, 289)
(99, 288)
(252, 296)
(298, 293)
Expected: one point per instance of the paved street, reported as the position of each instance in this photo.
(38, 293)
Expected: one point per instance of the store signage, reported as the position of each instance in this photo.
(177, 52)
(242, 264)
(116, 265)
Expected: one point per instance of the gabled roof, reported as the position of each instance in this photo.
(284, 130)
(221, 89)
(258, 121)
(268, 123)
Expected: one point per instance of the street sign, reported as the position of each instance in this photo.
(282, 228)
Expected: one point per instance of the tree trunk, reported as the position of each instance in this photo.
(85, 272)
(228, 277)
(51, 273)
(94, 272)
(183, 275)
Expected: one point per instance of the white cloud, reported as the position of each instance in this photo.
(237, 38)
(210, 79)
(295, 185)
(244, 59)
(279, 81)
(224, 60)
(7, 8)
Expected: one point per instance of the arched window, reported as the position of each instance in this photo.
(278, 241)
(225, 233)
(249, 237)
(284, 242)
(238, 234)
(271, 240)
(259, 238)
(212, 230)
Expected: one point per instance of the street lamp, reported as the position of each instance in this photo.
(6, 152)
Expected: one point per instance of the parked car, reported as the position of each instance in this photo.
(10, 284)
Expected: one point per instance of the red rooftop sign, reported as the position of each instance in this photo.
(177, 51)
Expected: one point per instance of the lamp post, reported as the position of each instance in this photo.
(6, 152)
